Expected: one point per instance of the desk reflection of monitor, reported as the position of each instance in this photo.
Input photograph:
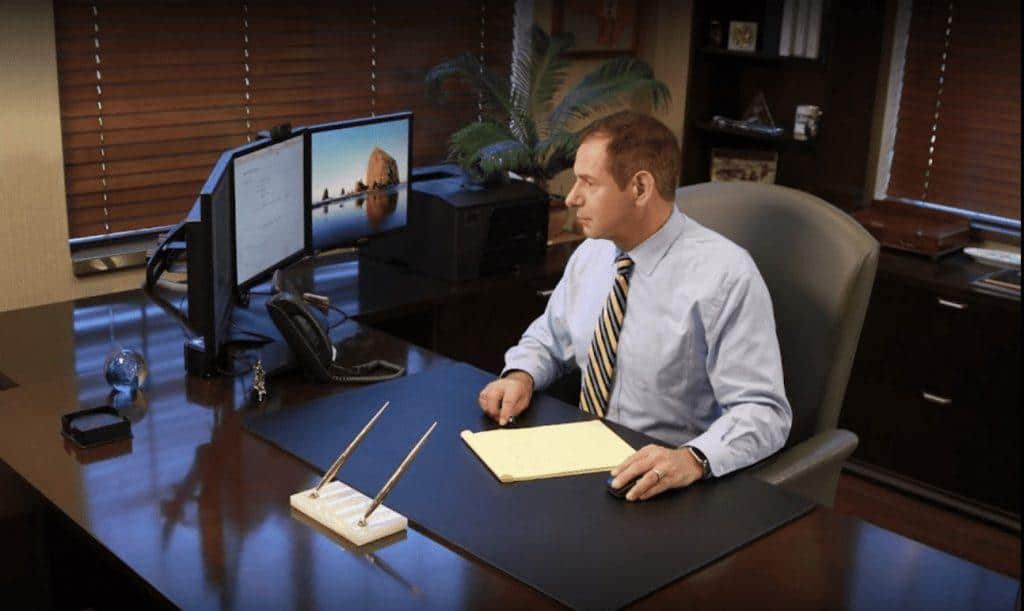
(359, 179)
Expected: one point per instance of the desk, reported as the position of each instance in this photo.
(195, 510)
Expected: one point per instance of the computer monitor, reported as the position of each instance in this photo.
(269, 213)
(359, 179)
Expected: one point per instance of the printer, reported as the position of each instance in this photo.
(457, 230)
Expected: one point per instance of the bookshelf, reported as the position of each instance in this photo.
(841, 81)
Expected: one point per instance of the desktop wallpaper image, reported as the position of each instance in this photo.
(359, 180)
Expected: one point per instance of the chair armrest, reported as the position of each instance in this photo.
(812, 467)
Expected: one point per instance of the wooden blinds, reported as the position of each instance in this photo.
(152, 93)
(958, 132)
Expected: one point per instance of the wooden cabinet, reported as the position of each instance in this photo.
(934, 395)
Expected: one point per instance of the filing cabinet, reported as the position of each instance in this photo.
(934, 394)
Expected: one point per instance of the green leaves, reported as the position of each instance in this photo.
(519, 134)
(466, 143)
(607, 85)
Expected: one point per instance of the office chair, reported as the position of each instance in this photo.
(819, 265)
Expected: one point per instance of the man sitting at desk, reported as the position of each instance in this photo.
(670, 323)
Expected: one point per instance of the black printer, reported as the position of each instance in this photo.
(457, 230)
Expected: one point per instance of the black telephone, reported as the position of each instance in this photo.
(311, 344)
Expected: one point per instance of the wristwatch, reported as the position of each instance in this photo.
(701, 460)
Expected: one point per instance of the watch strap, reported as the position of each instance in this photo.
(702, 460)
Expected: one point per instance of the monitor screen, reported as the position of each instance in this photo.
(359, 178)
(270, 211)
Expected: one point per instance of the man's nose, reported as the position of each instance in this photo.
(572, 199)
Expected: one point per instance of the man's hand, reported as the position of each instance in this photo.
(659, 469)
(505, 398)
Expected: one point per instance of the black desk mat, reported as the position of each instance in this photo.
(566, 537)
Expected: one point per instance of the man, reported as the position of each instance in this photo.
(670, 324)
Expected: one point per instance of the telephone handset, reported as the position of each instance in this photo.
(311, 345)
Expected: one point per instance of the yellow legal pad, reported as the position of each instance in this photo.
(556, 450)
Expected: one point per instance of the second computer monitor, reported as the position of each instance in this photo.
(359, 178)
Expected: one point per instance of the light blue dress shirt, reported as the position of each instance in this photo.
(698, 360)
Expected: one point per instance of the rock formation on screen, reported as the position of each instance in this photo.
(381, 170)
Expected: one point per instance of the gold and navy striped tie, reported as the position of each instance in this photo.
(600, 373)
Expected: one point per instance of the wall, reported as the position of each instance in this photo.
(35, 264)
(664, 44)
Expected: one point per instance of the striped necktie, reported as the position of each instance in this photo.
(600, 374)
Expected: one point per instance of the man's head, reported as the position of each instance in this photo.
(626, 168)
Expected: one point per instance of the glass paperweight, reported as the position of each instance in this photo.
(126, 370)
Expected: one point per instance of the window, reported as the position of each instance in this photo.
(955, 142)
(152, 93)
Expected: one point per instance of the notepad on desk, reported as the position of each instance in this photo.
(556, 450)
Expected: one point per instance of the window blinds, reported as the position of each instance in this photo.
(958, 130)
(152, 93)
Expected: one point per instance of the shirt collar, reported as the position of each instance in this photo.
(651, 251)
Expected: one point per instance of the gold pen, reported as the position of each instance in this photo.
(377, 500)
(348, 451)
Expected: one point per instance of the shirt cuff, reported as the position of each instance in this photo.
(540, 381)
(717, 454)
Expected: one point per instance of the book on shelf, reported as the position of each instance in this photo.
(803, 11)
(814, 28)
(786, 28)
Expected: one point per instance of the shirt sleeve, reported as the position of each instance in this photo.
(744, 366)
(545, 350)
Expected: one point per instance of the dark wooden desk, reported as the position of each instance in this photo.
(194, 510)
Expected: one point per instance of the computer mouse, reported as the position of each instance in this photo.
(620, 492)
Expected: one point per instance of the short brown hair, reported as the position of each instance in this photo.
(638, 142)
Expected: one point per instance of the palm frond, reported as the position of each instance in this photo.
(500, 157)
(547, 69)
(609, 84)
(496, 91)
(464, 144)
(556, 153)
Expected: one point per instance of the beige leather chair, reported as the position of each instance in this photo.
(819, 265)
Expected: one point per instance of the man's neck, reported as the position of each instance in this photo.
(649, 226)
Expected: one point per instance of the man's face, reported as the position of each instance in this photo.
(603, 210)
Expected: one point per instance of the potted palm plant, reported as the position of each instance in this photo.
(522, 130)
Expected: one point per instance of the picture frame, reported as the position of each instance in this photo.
(744, 165)
(743, 36)
(602, 28)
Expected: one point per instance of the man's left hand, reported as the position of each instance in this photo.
(659, 469)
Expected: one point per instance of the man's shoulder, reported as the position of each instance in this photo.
(713, 251)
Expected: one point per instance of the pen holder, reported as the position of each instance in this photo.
(339, 508)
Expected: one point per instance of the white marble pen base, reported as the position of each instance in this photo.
(339, 508)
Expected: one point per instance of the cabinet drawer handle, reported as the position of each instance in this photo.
(952, 304)
(545, 294)
(936, 399)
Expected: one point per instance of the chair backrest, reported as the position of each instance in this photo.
(819, 265)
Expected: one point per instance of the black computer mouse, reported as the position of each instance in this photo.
(620, 492)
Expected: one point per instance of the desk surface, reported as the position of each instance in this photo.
(198, 508)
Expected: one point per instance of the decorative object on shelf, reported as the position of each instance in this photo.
(715, 36)
(520, 131)
(126, 370)
(806, 122)
(743, 36)
(757, 119)
(750, 165)
(602, 28)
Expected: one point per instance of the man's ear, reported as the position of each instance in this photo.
(643, 187)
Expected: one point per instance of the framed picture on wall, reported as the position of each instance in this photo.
(602, 28)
